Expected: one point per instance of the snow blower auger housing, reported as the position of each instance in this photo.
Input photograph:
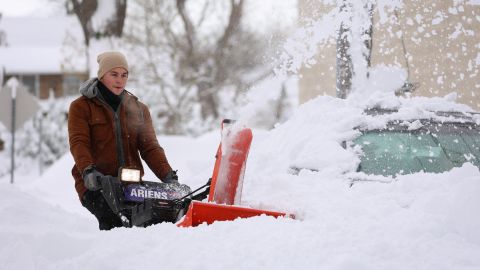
(141, 203)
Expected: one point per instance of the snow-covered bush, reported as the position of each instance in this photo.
(45, 136)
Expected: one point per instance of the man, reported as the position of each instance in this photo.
(109, 128)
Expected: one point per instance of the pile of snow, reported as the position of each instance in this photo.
(421, 220)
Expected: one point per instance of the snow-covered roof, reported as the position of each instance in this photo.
(39, 32)
(31, 60)
(34, 45)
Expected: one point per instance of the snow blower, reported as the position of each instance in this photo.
(142, 203)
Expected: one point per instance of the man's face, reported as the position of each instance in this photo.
(115, 80)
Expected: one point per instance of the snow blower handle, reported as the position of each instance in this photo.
(200, 196)
(171, 177)
(92, 178)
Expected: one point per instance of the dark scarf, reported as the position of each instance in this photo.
(109, 97)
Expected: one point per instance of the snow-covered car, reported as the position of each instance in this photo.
(385, 138)
(434, 144)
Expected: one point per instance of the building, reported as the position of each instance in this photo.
(37, 53)
(436, 42)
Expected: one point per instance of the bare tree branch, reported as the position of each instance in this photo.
(84, 11)
(191, 68)
(189, 29)
(203, 15)
(233, 23)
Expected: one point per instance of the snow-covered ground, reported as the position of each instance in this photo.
(419, 221)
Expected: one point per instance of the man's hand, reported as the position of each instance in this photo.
(91, 179)
(171, 177)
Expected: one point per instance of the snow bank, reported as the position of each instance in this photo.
(419, 221)
(34, 233)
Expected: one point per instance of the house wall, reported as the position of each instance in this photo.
(40, 85)
(48, 83)
(318, 78)
(441, 45)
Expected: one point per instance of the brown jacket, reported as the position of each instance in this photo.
(94, 130)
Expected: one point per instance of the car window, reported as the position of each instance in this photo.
(390, 152)
(461, 148)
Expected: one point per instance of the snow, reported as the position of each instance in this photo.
(12, 83)
(38, 32)
(105, 10)
(47, 60)
(420, 221)
(28, 8)
(344, 219)
(34, 44)
(282, 14)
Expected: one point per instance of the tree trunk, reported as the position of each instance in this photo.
(344, 70)
(115, 25)
(369, 36)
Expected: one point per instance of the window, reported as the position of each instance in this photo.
(71, 84)
(387, 152)
(30, 82)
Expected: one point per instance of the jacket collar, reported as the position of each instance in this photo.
(90, 90)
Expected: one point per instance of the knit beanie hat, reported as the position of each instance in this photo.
(110, 60)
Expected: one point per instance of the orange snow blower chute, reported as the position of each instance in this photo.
(226, 183)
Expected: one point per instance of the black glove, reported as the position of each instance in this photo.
(171, 177)
(91, 178)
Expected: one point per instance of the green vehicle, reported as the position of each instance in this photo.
(433, 145)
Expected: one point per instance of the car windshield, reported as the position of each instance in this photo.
(391, 152)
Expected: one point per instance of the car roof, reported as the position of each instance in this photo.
(465, 116)
(431, 118)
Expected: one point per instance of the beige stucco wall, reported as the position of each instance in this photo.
(318, 78)
(442, 41)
